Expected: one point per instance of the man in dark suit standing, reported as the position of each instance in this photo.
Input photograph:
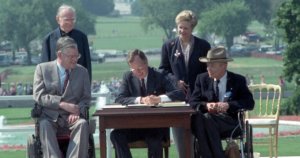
(66, 18)
(143, 85)
(218, 95)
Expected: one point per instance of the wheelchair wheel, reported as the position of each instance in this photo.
(248, 143)
(91, 150)
(33, 149)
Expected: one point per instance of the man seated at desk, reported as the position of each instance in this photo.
(218, 95)
(143, 85)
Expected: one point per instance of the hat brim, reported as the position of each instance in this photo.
(208, 60)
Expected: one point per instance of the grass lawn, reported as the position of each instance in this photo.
(125, 33)
(271, 69)
(288, 146)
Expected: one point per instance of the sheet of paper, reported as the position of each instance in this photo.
(169, 104)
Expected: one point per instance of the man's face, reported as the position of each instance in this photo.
(69, 57)
(184, 29)
(139, 68)
(66, 20)
(216, 69)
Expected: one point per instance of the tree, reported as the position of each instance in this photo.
(260, 10)
(162, 13)
(98, 7)
(228, 19)
(23, 21)
(288, 18)
(136, 8)
(84, 21)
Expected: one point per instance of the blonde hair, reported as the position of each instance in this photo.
(188, 16)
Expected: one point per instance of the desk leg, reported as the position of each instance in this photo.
(108, 144)
(187, 135)
(102, 141)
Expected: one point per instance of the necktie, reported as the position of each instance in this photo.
(143, 88)
(66, 80)
(216, 88)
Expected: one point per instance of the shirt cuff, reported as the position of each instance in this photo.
(164, 98)
(137, 100)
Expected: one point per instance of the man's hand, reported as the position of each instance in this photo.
(71, 108)
(219, 107)
(212, 107)
(151, 100)
(72, 118)
(183, 86)
(222, 107)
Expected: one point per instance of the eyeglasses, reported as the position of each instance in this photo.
(72, 56)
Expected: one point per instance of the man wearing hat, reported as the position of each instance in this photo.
(217, 97)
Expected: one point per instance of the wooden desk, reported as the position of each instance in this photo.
(145, 117)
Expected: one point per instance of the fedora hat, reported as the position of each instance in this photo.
(217, 54)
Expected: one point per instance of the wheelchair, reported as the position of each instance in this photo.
(34, 146)
(242, 134)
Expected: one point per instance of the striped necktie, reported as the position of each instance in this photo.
(66, 80)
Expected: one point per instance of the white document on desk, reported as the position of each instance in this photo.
(168, 104)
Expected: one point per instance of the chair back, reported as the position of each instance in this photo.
(267, 101)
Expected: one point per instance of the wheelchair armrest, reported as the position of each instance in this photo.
(84, 113)
(36, 111)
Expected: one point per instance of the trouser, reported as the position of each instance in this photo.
(178, 136)
(209, 129)
(153, 137)
(78, 144)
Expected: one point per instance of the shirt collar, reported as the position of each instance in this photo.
(224, 78)
(60, 68)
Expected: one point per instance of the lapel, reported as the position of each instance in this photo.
(136, 84)
(151, 82)
(229, 84)
(57, 34)
(210, 89)
(180, 58)
(55, 75)
(70, 88)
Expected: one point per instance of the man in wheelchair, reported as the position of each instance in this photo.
(62, 88)
(218, 96)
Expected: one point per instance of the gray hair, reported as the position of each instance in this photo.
(65, 42)
(65, 7)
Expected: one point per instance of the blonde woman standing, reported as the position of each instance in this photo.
(179, 59)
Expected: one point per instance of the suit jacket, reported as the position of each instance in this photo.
(47, 89)
(241, 97)
(157, 84)
(49, 47)
(175, 65)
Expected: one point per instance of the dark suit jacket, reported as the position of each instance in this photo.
(49, 47)
(157, 84)
(241, 97)
(176, 66)
(47, 89)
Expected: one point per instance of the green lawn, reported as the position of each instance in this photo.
(125, 33)
(288, 146)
